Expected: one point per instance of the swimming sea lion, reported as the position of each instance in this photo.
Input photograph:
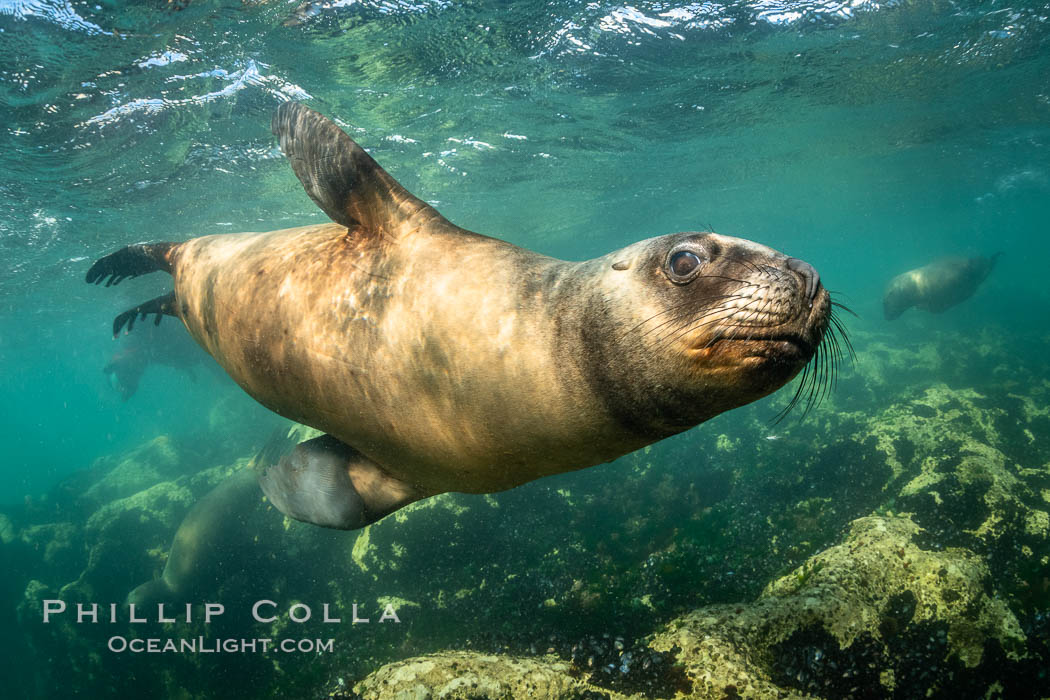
(439, 360)
(213, 540)
(936, 287)
(162, 345)
(229, 531)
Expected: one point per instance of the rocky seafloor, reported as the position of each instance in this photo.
(893, 543)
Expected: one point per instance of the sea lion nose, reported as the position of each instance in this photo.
(809, 275)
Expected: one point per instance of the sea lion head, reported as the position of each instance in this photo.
(901, 294)
(694, 324)
(124, 371)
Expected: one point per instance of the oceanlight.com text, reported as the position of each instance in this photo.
(200, 645)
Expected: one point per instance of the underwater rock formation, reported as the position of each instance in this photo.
(463, 675)
(802, 635)
(142, 467)
(805, 632)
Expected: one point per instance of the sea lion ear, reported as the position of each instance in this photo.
(348, 185)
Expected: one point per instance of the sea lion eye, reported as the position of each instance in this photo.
(682, 265)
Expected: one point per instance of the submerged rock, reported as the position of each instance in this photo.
(464, 675)
(857, 596)
(155, 461)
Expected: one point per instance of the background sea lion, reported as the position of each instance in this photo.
(438, 360)
(213, 540)
(936, 287)
(231, 534)
(164, 345)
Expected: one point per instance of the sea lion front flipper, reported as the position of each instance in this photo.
(343, 180)
(130, 261)
(161, 306)
(328, 483)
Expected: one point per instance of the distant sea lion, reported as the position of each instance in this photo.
(212, 542)
(229, 531)
(936, 287)
(439, 360)
(164, 345)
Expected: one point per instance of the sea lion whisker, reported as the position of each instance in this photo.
(718, 336)
(699, 314)
(672, 309)
(839, 341)
(688, 302)
(666, 341)
(817, 380)
(813, 384)
(725, 327)
(837, 325)
(836, 355)
(826, 376)
(689, 326)
(641, 323)
(831, 365)
(631, 331)
(844, 308)
(744, 283)
(706, 311)
(795, 397)
(774, 272)
(745, 263)
(743, 323)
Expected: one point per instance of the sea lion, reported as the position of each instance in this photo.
(161, 345)
(437, 359)
(213, 540)
(936, 287)
(229, 531)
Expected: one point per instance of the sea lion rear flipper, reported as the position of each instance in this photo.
(328, 483)
(348, 185)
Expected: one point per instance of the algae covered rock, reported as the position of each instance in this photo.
(464, 675)
(153, 462)
(850, 603)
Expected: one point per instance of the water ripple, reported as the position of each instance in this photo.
(249, 76)
(58, 12)
(591, 24)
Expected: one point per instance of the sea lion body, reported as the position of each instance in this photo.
(936, 287)
(453, 360)
(402, 355)
(213, 540)
(438, 360)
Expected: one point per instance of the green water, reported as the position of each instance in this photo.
(865, 145)
(865, 138)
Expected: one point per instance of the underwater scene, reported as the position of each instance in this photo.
(741, 389)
